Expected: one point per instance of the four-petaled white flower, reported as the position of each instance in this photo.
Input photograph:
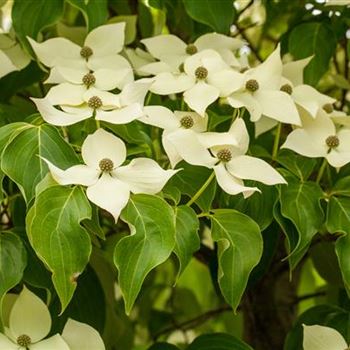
(109, 183)
(323, 338)
(100, 51)
(103, 105)
(29, 323)
(319, 138)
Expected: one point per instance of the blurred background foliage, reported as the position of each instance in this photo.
(179, 314)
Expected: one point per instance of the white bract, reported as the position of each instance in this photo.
(80, 105)
(100, 51)
(180, 128)
(29, 324)
(323, 338)
(109, 183)
(319, 138)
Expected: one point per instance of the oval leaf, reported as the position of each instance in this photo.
(218, 341)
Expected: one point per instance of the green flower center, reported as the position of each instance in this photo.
(224, 155)
(252, 85)
(89, 79)
(86, 52)
(332, 141)
(24, 340)
(95, 102)
(187, 122)
(328, 108)
(201, 73)
(106, 165)
(287, 88)
(191, 49)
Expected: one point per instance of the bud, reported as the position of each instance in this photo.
(201, 73)
(332, 141)
(287, 88)
(86, 52)
(89, 79)
(252, 85)
(95, 102)
(187, 122)
(106, 165)
(224, 155)
(328, 108)
(191, 49)
(24, 340)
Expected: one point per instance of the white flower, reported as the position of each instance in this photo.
(81, 336)
(109, 184)
(80, 104)
(29, 324)
(258, 90)
(195, 82)
(180, 128)
(337, 2)
(6, 66)
(319, 138)
(323, 338)
(138, 59)
(172, 51)
(100, 51)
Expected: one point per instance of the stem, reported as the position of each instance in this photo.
(322, 169)
(201, 190)
(148, 99)
(277, 141)
(98, 124)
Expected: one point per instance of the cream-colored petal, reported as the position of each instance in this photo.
(160, 117)
(155, 68)
(115, 62)
(200, 96)
(6, 66)
(50, 51)
(107, 39)
(56, 117)
(102, 144)
(294, 71)
(279, 106)
(76, 175)
(217, 42)
(30, 316)
(134, 92)
(340, 156)
(109, 79)
(322, 338)
(144, 175)
(138, 59)
(167, 83)
(171, 151)
(231, 184)
(71, 75)
(245, 99)
(251, 168)
(66, 94)
(200, 122)
(263, 125)
(109, 194)
(122, 115)
(81, 336)
(164, 45)
(55, 342)
(320, 127)
(227, 81)
(6, 343)
(109, 100)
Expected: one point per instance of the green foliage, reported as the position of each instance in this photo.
(219, 341)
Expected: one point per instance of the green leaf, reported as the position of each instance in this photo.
(163, 346)
(300, 203)
(130, 26)
(152, 239)
(313, 39)
(217, 14)
(95, 12)
(54, 231)
(13, 260)
(31, 16)
(218, 341)
(21, 158)
(240, 248)
(187, 239)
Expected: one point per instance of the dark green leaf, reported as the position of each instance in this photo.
(218, 341)
(163, 346)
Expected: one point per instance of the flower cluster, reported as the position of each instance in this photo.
(29, 322)
(97, 81)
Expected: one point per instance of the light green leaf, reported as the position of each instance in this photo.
(300, 203)
(187, 239)
(218, 341)
(54, 231)
(95, 12)
(21, 158)
(152, 239)
(217, 14)
(240, 248)
(163, 346)
(13, 260)
(317, 39)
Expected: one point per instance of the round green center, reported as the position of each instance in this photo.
(89, 79)
(252, 85)
(332, 141)
(224, 155)
(24, 340)
(328, 108)
(201, 73)
(187, 122)
(181, 67)
(86, 52)
(191, 49)
(106, 165)
(95, 102)
(287, 88)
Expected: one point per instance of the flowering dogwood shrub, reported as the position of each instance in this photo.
(156, 175)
